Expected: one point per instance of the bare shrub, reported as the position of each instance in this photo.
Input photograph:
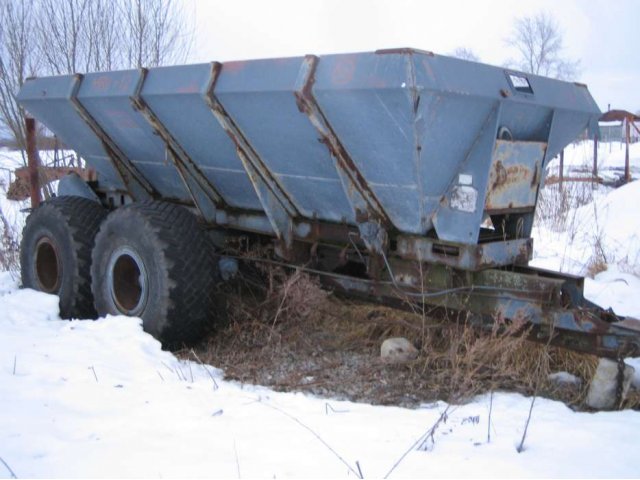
(9, 246)
(631, 400)
(268, 299)
(462, 361)
(586, 243)
(556, 207)
(298, 297)
(596, 265)
(285, 332)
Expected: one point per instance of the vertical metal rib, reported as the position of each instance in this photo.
(194, 180)
(371, 218)
(460, 212)
(279, 208)
(138, 186)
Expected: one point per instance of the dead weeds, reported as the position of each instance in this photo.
(284, 331)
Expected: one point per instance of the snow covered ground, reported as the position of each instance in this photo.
(101, 399)
(578, 160)
(601, 224)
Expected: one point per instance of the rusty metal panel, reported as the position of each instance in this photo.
(466, 257)
(514, 175)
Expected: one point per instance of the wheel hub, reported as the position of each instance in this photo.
(48, 267)
(128, 282)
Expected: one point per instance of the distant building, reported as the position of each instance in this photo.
(613, 126)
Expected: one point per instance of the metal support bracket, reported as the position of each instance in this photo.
(278, 207)
(203, 194)
(138, 186)
(465, 196)
(372, 220)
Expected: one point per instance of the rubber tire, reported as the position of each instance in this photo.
(180, 271)
(69, 225)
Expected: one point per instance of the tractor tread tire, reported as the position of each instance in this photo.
(81, 218)
(186, 305)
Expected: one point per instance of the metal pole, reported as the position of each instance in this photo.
(561, 170)
(595, 156)
(627, 173)
(33, 162)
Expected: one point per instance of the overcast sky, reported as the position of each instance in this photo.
(602, 34)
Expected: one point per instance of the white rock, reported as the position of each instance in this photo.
(397, 350)
(602, 391)
(564, 378)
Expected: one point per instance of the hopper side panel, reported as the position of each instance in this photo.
(49, 101)
(260, 98)
(176, 96)
(109, 103)
(368, 101)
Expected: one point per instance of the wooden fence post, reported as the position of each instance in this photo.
(595, 156)
(33, 162)
(561, 170)
(627, 173)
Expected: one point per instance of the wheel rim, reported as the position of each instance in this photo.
(128, 282)
(47, 265)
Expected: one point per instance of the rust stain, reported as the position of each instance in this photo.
(233, 67)
(190, 88)
(344, 70)
(536, 174)
(590, 323)
(499, 175)
(124, 84)
(427, 69)
(121, 119)
(103, 82)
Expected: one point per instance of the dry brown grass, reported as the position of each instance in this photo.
(632, 400)
(9, 246)
(596, 265)
(286, 332)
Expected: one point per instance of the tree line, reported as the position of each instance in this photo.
(55, 37)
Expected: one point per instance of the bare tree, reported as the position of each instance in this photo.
(61, 24)
(157, 33)
(465, 53)
(17, 62)
(103, 36)
(89, 35)
(40, 37)
(538, 42)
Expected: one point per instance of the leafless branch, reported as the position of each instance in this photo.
(56, 37)
(537, 39)
(465, 53)
(17, 62)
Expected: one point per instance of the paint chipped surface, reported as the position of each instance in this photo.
(464, 198)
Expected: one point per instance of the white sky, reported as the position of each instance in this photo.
(602, 34)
